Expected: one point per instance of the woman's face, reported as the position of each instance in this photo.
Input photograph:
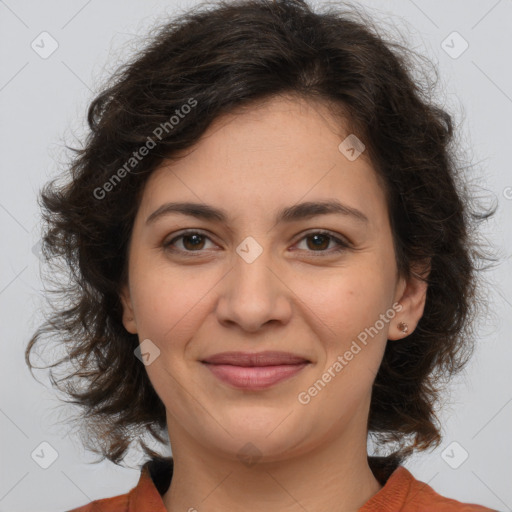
(258, 280)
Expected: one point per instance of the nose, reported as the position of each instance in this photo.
(252, 295)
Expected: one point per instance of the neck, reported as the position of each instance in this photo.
(334, 476)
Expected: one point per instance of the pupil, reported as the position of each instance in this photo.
(316, 238)
(195, 237)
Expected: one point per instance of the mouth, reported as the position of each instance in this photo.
(255, 371)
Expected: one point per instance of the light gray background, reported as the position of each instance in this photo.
(43, 104)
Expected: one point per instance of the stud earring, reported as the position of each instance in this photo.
(403, 327)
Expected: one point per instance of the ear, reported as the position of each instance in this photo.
(411, 294)
(128, 315)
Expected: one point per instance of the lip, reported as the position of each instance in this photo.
(254, 377)
(267, 358)
(254, 371)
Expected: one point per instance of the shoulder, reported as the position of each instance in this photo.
(420, 495)
(146, 496)
(405, 493)
(113, 504)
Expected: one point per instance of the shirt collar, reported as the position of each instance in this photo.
(154, 481)
(394, 494)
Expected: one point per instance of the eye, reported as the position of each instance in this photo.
(194, 241)
(320, 241)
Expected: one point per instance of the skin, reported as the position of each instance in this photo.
(293, 297)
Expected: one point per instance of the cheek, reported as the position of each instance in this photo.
(352, 315)
(169, 310)
(350, 298)
(169, 303)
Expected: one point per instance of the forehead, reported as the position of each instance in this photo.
(274, 153)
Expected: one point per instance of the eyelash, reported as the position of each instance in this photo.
(341, 245)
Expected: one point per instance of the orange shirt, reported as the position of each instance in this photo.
(401, 493)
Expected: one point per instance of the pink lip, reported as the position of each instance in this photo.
(254, 377)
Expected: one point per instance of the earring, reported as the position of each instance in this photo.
(403, 327)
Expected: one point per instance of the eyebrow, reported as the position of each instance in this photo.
(293, 213)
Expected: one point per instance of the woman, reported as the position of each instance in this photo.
(271, 259)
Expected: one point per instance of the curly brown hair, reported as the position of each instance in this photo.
(226, 56)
